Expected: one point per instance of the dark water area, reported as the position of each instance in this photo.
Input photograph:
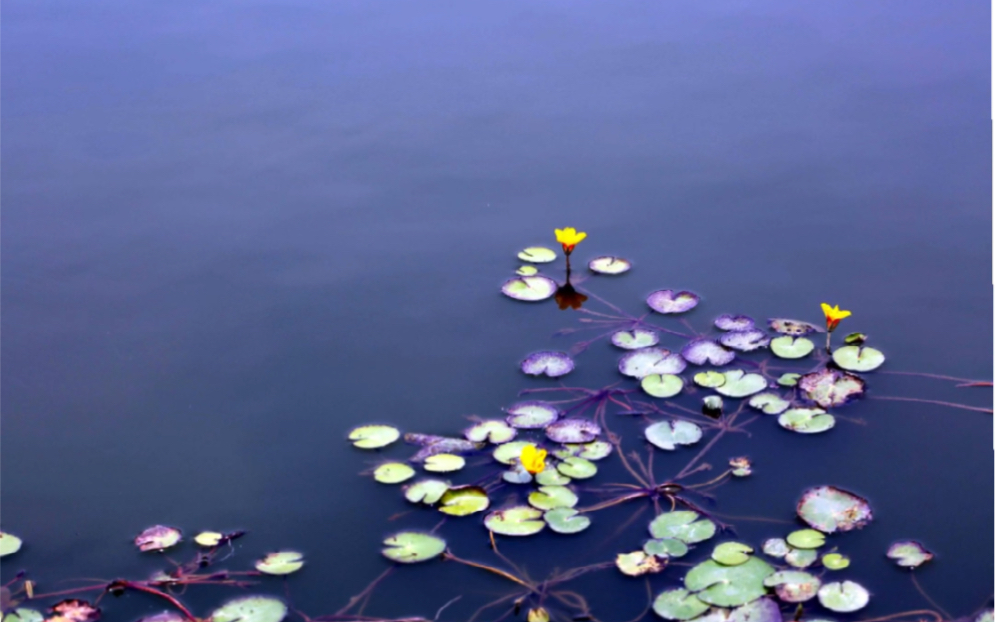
(231, 232)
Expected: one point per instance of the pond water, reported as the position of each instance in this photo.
(234, 231)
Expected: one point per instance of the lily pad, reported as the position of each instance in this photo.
(463, 501)
(427, 491)
(209, 539)
(776, 547)
(733, 322)
(531, 415)
(444, 463)
(709, 379)
(648, 361)
(665, 547)
(830, 387)
(745, 340)
(373, 436)
(566, 520)
(595, 450)
(433, 445)
(835, 561)
(251, 609)
(537, 254)
(793, 586)
(518, 475)
(638, 563)
(909, 554)
(529, 288)
(662, 385)
(281, 562)
(393, 473)
(855, 358)
(855, 339)
(806, 539)
(741, 466)
(577, 468)
(728, 586)
(157, 538)
(635, 339)
(769, 403)
(668, 301)
(509, 453)
(527, 271)
(684, 525)
(409, 547)
(74, 610)
(741, 384)
(806, 420)
(678, 604)
(22, 614)
(494, 431)
(732, 553)
(706, 352)
(516, 521)
(9, 544)
(552, 477)
(552, 497)
(830, 509)
(843, 597)
(711, 405)
(573, 431)
(609, 265)
(669, 434)
(548, 363)
(788, 380)
(795, 328)
(801, 558)
(788, 347)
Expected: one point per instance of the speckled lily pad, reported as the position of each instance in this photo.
(647, 361)
(157, 538)
(638, 563)
(795, 328)
(830, 387)
(531, 415)
(733, 322)
(707, 352)
(595, 450)
(493, 430)
(669, 434)
(548, 363)
(909, 553)
(635, 339)
(794, 586)
(745, 340)
(573, 431)
(668, 301)
(830, 509)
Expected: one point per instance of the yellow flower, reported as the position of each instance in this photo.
(833, 316)
(533, 460)
(569, 238)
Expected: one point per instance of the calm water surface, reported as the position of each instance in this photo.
(233, 231)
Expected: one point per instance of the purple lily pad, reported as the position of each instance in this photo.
(157, 538)
(734, 322)
(707, 352)
(745, 340)
(669, 301)
(830, 509)
(552, 364)
(531, 415)
(795, 328)
(647, 361)
(573, 431)
(761, 610)
(433, 445)
(831, 387)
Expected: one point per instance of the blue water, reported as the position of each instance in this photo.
(233, 231)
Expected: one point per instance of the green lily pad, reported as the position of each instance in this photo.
(728, 586)
(23, 615)
(494, 430)
(709, 379)
(855, 358)
(687, 526)
(909, 553)
(552, 477)
(157, 538)
(806, 420)
(552, 497)
(678, 604)
(855, 339)
(373, 436)
(251, 609)
(665, 547)
(741, 384)
(393, 473)
(788, 380)
(531, 415)
(609, 265)
(741, 466)
(843, 597)
(732, 553)
(517, 475)
(508, 453)
(444, 463)
(987, 615)
(776, 547)
(806, 539)
(281, 562)
(463, 501)
(635, 339)
(669, 434)
(662, 385)
(793, 586)
(209, 539)
(831, 387)
(9, 544)
(566, 520)
(801, 558)
(835, 561)
(830, 509)
(529, 288)
(769, 403)
(788, 347)
(595, 450)
(427, 491)
(638, 563)
(577, 468)
(537, 254)
(409, 547)
(516, 521)
(527, 271)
